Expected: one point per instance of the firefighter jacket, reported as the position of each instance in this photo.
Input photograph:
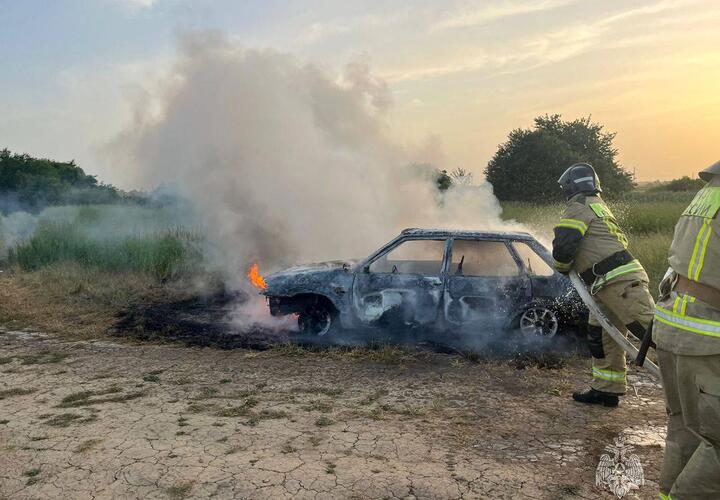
(589, 241)
(684, 324)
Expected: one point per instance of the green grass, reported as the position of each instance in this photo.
(649, 217)
(374, 396)
(317, 405)
(324, 421)
(153, 376)
(652, 250)
(66, 419)
(112, 238)
(32, 476)
(165, 255)
(42, 358)
(179, 491)
(113, 394)
(646, 217)
(238, 411)
(641, 196)
(87, 445)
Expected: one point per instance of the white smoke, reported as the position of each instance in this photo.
(286, 162)
(14, 229)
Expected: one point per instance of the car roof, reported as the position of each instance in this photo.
(461, 233)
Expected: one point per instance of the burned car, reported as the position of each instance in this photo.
(438, 282)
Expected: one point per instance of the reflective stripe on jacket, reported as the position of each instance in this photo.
(682, 321)
(616, 273)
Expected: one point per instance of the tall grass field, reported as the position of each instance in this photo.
(160, 241)
(110, 238)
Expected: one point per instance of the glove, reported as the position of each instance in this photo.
(667, 284)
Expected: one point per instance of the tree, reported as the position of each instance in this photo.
(526, 167)
(441, 178)
(461, 177)
(30, 184)
(443, 181)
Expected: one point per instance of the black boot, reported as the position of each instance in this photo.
(594, 397)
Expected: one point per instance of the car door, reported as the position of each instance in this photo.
(485, 282)
(403, 285)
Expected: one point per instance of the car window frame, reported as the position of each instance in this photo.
(535, 249)
(518, 262)
(364, 267)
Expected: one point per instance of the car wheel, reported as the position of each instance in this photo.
(539, 321)
(316, 320)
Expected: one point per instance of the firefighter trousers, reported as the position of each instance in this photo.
(629, 306)
(691, 468)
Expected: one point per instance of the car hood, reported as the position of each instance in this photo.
(308, 277)
(312, 268)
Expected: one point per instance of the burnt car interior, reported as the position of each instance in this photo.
(469, 258)
(482, 258)
(423, 257)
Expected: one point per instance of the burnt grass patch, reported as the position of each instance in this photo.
(203, 320)
(206, 321)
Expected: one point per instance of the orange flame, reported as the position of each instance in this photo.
(256, 278)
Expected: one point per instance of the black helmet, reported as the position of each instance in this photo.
(579, 178)
(708, 173)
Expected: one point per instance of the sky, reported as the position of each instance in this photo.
(462, 74)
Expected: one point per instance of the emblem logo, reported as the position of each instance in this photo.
(620, 471)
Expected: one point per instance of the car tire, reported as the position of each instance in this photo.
(317, 320)
(539, 320)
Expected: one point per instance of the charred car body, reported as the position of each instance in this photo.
(438, 282)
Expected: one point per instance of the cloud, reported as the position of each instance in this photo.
(319, 31)
(138, 4)
(496, 11)
(525, 53)
(645, 10)
(505, 9)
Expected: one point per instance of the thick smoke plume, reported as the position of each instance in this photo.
(286, 162)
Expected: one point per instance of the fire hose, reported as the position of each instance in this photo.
(616, 335)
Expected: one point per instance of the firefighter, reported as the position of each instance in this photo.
(589, 241)
(687, 335)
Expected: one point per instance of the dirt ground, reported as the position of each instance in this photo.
(107, 418)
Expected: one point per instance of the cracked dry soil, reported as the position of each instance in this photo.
(98, 419)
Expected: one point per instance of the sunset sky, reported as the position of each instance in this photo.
(462, 74)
